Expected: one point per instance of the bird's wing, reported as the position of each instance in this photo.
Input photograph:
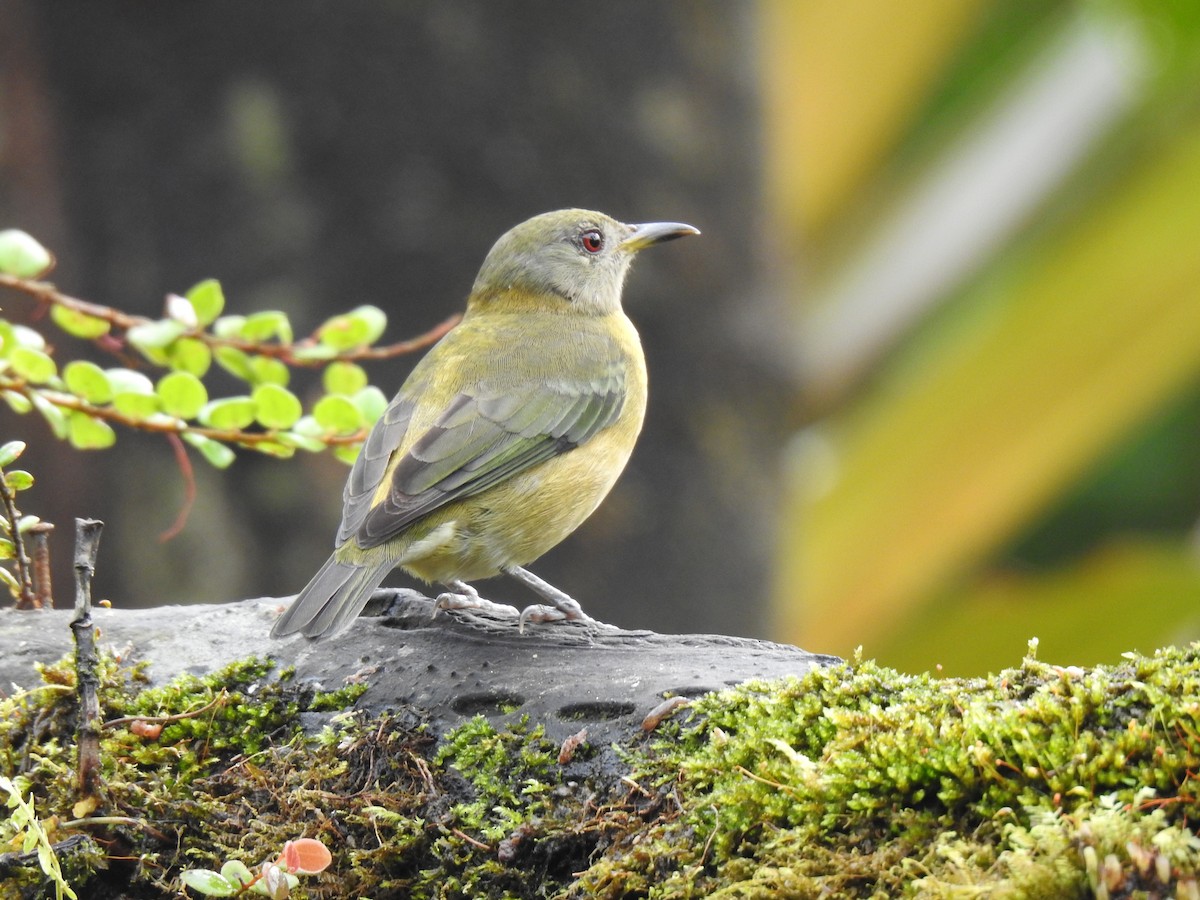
(484, 436)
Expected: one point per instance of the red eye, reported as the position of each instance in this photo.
(592, 240)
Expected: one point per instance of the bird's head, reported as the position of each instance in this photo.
(572, 257)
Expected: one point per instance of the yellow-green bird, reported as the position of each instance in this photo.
(509, 432)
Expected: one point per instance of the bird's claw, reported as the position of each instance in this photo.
(470, 600)
(540, 613)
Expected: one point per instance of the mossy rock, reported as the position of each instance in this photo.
(852, 781)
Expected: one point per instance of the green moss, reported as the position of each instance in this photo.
(860, 781)
(855, 781)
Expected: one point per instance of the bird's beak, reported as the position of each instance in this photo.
(655, 233)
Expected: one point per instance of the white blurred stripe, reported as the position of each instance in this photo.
(975, 196)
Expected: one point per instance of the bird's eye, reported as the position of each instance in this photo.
(592, 240)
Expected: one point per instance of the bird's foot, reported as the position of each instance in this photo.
(561, 608)
(463, 596)
(541, 612)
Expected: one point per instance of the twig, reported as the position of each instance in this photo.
(27, 600)
(87, 662)
(47, 293)
(165, 425)
(189, 488)
(163, 720)
(44, 598)
(105, 821)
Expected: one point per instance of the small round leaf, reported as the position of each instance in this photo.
(181, 394)
(208, 882)
(217, 454)
(338, 414)
(231, 413)
(190, 355)
(268, 370)
(262, 326)
(155, 335)
(235, 362)
(34, 366)
(87, 380)
(343, 378)
(371, 402)
(88, 433)
(208, 299)
(18, 480)
(22, 256)
(11, 452)
(347, 453)
(78, 324)
(277, 406)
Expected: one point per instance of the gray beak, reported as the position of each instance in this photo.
(655, 233)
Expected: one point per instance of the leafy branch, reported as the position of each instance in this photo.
(82, 401)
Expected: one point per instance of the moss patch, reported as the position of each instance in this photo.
(854, 781)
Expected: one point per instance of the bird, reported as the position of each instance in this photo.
(507, 434)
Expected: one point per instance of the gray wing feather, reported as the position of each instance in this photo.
(484, 438)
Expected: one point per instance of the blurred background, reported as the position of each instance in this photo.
(928, 384)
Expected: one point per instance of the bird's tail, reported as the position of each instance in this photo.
(331, 601)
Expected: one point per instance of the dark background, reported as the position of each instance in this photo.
(318, 156)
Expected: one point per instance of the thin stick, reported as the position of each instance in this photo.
(87, 662)
(40, 538)
(27, 600)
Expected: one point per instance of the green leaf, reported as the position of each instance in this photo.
(24, 336)
(8, 549)
(78, 324)
(34, 366)
(133, 393)
(27, 522)
(11, 452)
(54, 416)
(217, 454)
(371, 402)
(338, 414)
(22, 256)
(347, 453)
(301, 441)
(136, 406)
(344, 378)
(18, 402)
(307, 426)
(231, 413)
(155, 335)
(182, 394)
(235, 870)
(262, 326)
(89, 433)
(18, 480)
(235, 362)
(208, 882)
(180, 309)
(279, 450)
(277, 406)
(129, 381)
(356, 328)
(190, 355)
(208, 299)
(9, 580)
(309, 352)
(268, 370)
(87, 380)
(228, 326)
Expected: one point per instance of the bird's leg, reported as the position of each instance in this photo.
(462, 596)
(564, 607)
